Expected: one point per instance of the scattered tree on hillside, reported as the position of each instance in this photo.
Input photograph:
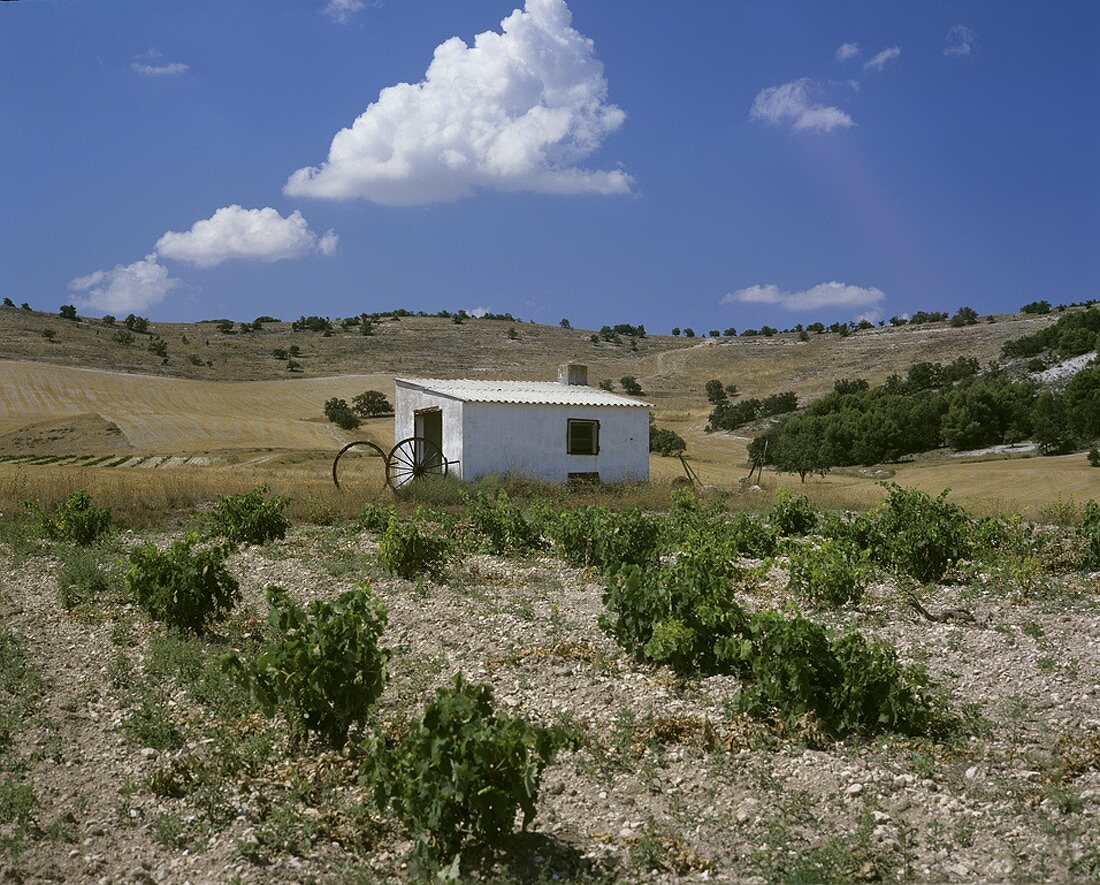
(676, 331)
(630, 385)
(312, 324)
(1036, 307)
(565, 324)
(964, 316)
(107, 319)
(716, 393)
(9, 303)
(924, 316)
(67, 312)
(339, 413)
(370, 403)
(1051, 425)
(665, 442)
(801, 451)
(49, 334)
(136, 324)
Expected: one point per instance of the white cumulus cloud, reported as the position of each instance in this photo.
(960, 41)
(846, 51)
(126, 288)
(793, 103)
(822, 295)
(342, 10)
(250, 234)
(516, 111)
(880, 60)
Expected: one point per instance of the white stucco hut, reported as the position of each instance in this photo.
(548, 430)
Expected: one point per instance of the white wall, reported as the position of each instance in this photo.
(408, 400)
(530, 440)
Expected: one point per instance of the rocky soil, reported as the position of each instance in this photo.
(141, 771)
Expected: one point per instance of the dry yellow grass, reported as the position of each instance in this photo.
(252, 423)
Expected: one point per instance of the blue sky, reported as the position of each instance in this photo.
(705, 164)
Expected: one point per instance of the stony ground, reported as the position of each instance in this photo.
(127, 759)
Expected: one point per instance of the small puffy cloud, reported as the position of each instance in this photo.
(960, 41)
(822, 295)
(249, 234)
(342, 10)
(516, 111)
(149, 64)
(882, 59)
(793, 103)
(478, 312)
(846, 51)
(126, 288)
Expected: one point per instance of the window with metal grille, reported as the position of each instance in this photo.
(583, 437)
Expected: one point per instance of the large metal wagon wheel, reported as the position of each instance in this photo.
(362, 442)
(412, 459)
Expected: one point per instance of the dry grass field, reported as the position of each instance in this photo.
(73, 401)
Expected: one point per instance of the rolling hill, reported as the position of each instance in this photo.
(224, 399)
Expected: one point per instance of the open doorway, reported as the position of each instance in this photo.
(428, 426)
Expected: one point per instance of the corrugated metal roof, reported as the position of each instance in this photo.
(546, 393)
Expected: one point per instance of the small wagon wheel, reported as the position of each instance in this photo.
(361, 442)
(412, 459)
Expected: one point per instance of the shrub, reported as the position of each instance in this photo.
(339, 413)
(503, 525)
(370, 403)
(1094, 457)
(596, 536)
(375, 517)
(408, 551)
(322, 668)
(878, 693)
(831, 573)
(716, 392)
(665, 442)
(922, 536)
(67, 312)
(186, 588)
(793, 516)
(461, 772)
(630, 385)
(1090, 533)
(77, 520)
(790, 667)
(684, 616)
(250, 518)
(136, 324)
(81, 581)
(674, 615)
(850, 685)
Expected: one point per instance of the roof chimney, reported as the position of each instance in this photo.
(573, 373)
